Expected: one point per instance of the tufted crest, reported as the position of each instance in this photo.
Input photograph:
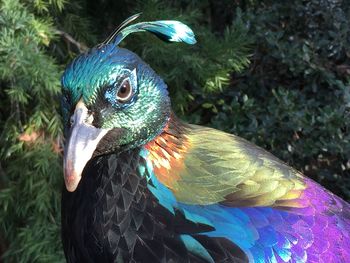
(167, 30)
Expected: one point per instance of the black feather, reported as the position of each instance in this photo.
(113, 217)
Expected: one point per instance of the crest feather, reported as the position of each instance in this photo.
(167, 30)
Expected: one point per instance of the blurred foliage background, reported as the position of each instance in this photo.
(274, 72)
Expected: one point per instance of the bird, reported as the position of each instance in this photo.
(141, 185)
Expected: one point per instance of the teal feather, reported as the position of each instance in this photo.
(196, 248)
(167, 30)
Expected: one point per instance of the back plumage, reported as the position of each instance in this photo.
(271, 211)
(145, 187)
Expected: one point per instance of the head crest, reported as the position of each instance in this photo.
(167, 30)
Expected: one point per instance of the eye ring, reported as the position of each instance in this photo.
(125, 91)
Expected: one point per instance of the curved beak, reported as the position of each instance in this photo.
(80, 145)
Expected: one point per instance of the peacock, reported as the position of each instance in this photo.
(143, 186)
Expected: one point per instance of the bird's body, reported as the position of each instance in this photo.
(154, 189)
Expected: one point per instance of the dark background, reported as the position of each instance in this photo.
(275, 73)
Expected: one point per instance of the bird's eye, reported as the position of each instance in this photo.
(125, 91)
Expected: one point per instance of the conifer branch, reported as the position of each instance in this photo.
(80, 46)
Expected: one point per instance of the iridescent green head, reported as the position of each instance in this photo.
(120, 92)
(112, 100)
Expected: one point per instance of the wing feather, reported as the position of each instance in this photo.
(206, 166)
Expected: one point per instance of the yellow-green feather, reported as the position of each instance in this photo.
(220, 167)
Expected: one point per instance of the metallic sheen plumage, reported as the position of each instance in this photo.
(159, 190)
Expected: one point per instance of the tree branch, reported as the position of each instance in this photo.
(80, 46)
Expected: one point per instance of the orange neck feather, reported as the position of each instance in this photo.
(167, 152)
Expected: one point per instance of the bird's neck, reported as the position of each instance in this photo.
(171, 142)
(168, 150)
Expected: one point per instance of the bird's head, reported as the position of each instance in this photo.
(112, 100)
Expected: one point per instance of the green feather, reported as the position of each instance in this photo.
(220, 167)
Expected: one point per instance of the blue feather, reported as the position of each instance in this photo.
(167, 30)
(196, 248)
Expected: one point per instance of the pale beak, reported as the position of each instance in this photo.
(80, 145)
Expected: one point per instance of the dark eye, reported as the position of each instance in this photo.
(125, 91)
